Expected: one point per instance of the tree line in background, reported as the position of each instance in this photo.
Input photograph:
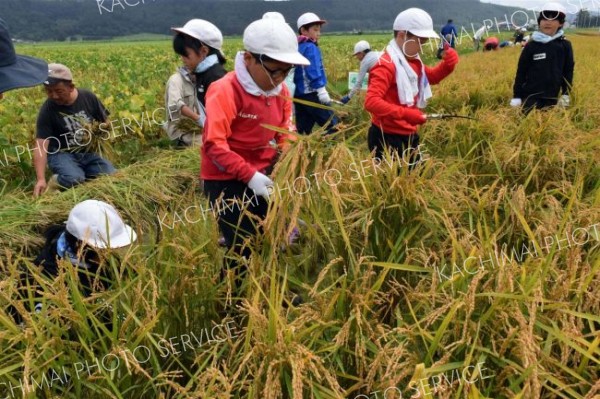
(101, 19)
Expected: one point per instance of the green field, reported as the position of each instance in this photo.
(475, 276)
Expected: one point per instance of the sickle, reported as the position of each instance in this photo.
(448, 116)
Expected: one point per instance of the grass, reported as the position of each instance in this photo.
(394, 267)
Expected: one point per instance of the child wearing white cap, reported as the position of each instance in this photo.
(238, 149)
(399, 84)
(199, 43)
(310, 80)
(368, 59)
(546, 65)
(92, 226)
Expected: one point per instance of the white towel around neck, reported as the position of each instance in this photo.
(407, 80)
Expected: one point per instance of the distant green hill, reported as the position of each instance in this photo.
(100, 19)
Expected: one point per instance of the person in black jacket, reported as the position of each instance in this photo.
(92, 226)
(199, 43)
(546, 65)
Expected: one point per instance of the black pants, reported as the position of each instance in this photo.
(229, 199)
(307, 116)
(532, 103)
(401, 144)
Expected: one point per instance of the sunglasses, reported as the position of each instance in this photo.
(274, 73)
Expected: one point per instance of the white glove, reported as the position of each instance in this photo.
(564, 101)
(323, 96)
(261, 184)
(515, 102)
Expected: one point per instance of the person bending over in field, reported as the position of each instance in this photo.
(546, 65)
(61, 139)
(491, 43)
(199, 43)
(478, 37)
(93, 227)
(368, 59)
(18, 71)
(238, 150)
(399, 85)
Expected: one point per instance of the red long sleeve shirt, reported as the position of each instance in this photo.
(382, 100)
(235, 144)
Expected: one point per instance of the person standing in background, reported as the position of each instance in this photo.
(310, 80)
(449, 35)
(478, 37)
(546, 64)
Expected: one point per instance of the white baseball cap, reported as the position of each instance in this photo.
(552, 7)
(274, 15)
(275, 39)
(416, 21)
(204, 31)
(309, 18)
(98, 224)
(361, 46)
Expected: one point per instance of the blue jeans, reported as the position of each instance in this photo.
(75, 168)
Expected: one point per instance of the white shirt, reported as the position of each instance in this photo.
(479, 34)
(366, 65)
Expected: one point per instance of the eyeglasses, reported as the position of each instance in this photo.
(273, 73)
(550, 15)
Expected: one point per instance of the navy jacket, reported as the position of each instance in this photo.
(545, 70)
(450, 29)
(311, 77)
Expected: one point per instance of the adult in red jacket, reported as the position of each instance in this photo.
(399, 84)
(238, 150)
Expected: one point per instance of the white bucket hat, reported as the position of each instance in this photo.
(416, 21)
(99, 225)
(275, 39)
(361, 46)
(309, 18)
(204, 31)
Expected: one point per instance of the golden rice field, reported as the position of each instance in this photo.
(475, 276)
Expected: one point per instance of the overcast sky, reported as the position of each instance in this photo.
(572, 6)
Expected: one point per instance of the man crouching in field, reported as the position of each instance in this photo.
(61, 138)
(399, 84)
(238, 150)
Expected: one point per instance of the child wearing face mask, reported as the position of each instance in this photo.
(546, 64)
(239, 149)
(199, 43)
(399, 84)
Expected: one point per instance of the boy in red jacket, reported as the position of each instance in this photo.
(238, 151)
(399, 84)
